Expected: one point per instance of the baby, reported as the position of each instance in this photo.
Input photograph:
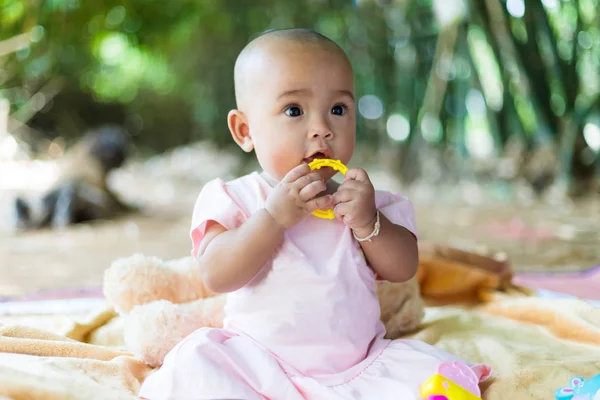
(302, 314)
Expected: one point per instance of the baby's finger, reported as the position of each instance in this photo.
(306, 180)
(352, 184)
(344, 196)
(340, 210)
(296, 173)
(357, 174)
(311, 190)
(319, 203)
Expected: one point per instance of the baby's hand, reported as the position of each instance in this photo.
(355, 202)
(294, 197)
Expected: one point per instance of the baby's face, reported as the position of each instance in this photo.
(302, 108)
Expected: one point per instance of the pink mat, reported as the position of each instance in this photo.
(585, 284)
(55, 294)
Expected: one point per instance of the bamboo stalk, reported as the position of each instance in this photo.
(4, 110)
(14, 43)
(437, 85)
(507, 75)
(545, 26)
(44, 96)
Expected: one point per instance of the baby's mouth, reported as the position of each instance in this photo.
(317, 155)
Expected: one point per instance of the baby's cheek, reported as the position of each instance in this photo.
(283, 162)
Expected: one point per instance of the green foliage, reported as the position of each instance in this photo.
(454, 74)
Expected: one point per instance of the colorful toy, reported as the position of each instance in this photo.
(580, 389)
(453, 380)
(337, 166)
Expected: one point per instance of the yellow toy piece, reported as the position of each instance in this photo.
(440, 386)
(325, 162)
(337, 166)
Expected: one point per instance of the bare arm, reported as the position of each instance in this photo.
(231, 258)
(393, 254)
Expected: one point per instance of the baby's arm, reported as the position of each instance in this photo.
(393, 254)
(229, 259)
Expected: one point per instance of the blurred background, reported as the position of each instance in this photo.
(485, 112)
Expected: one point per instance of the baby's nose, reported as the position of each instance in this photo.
(322, 133)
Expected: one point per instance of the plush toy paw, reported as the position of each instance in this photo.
(402, 307)
(139, 279)
(153, 329)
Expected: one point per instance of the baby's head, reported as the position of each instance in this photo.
(295, 101)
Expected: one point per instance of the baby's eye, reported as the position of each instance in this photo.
(339, 109)
(293, 111)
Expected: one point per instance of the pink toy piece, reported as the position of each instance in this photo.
(460, 374)
(437, 397)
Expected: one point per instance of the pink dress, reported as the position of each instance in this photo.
(306, 327)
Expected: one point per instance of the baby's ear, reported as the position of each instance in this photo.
(240, 130)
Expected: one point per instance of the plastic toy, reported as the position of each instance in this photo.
(580, 389)
(452, 381)
(336, 165)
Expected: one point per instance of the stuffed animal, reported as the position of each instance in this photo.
(164, 301)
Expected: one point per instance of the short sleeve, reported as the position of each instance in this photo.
(214, 203)
(398, 209)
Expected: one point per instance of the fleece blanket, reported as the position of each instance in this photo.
(39, 364)
(534, 344)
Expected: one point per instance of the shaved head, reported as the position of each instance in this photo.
(294, 90)
(298, 35)
(269, 45)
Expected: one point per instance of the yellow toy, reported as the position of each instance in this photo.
(337, 166)
(452, 381)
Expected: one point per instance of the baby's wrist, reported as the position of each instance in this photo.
(368, 231)
(274, 221)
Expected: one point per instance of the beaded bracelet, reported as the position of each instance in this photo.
(372, 234)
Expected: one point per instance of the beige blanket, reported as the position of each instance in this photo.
(40, 365)
(534, 345)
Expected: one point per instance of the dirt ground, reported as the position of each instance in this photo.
(537, 236)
